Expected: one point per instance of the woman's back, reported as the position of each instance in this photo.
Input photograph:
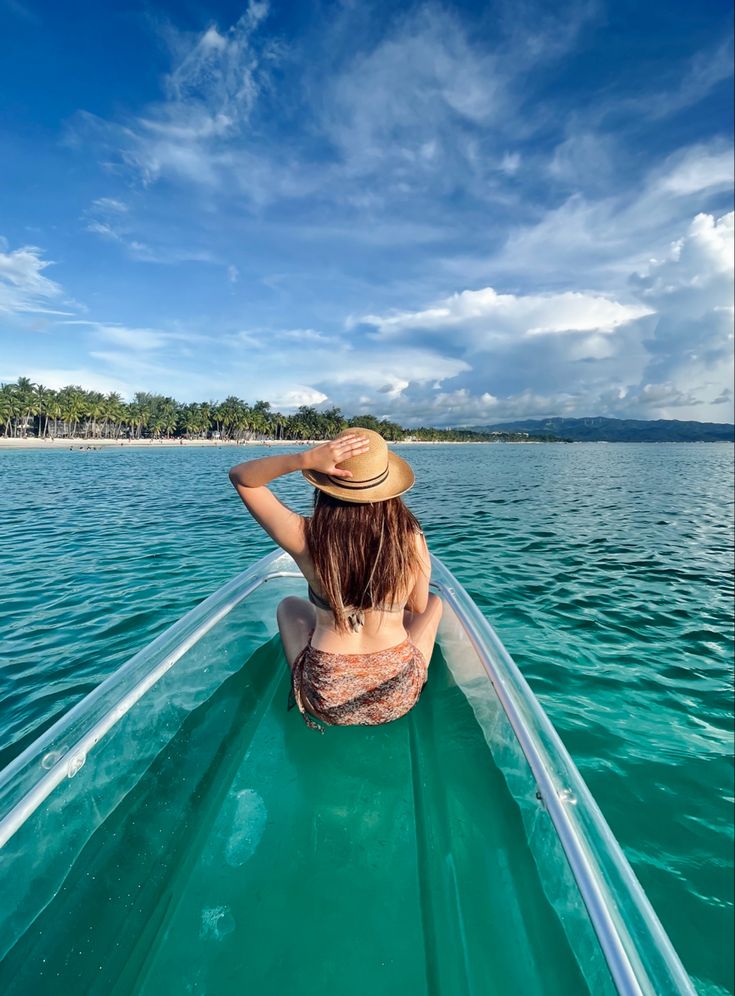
(376, 627)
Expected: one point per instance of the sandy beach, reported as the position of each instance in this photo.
(84, 444)
(31, 443)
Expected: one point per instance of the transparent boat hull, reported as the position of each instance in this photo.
(180, 831)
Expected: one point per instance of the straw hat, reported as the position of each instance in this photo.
(376, 474)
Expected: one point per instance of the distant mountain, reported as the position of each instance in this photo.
(619, 430)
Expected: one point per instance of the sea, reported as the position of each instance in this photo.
(606, 569)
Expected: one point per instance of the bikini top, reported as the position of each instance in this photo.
(322, 603)
(356, 617)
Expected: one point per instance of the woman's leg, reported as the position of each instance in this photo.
(422, 626)
(296, 620)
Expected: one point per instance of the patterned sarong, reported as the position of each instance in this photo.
(356, 689)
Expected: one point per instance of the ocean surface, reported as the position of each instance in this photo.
(607, 571)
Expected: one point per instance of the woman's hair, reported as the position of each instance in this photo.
(364, 555)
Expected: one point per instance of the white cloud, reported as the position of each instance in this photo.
(112, 204)
(295, 397)
(144, 339)
(395, 387)
(584, 159)
(460, 404)
(461, 94)
(110, 220)
(510, 163)
(698, 168)
(484, 316)
(333, 368)
(384, 368)
(664, 396)
(690, 84)
(270, 341)
(23, 286)
(700, 264)
(454, 85)
(104, 229)
(692, 288)
(441, 78)
(218, 72)
(598, 241)
(462, 407)
(209, 96)
(667, 354)
(305, 336)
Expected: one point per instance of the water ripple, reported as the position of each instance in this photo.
(607, 571)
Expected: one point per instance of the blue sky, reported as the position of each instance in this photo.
(452, 213)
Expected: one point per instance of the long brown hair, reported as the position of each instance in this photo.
(364, 555)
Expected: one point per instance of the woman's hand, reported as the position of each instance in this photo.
(325, 457)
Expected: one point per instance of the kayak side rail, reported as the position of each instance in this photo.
(561, 799)
(586, 840)
(66, 761)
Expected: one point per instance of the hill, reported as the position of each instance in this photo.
(619, 430)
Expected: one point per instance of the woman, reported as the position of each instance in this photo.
(359, 649)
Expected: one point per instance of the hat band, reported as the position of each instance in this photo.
(367, 482)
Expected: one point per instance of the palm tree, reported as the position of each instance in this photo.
(73, 407)
(230, 414)
(306, 423)
(278, 422)
(244, 420)
(53, 410)
(43, 400)
(154, 414)
(7, 406)
(333, 422)
(26, 402)
(168, 416)
(113, 411)
(95, 403)
(206, 409)
(144, 403)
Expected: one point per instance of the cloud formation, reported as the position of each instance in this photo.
(430, 211)
(671, 349)
(691, 289)
(208, 98)
(484, 316)
(23, 285)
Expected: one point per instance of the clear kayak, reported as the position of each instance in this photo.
(180, 831)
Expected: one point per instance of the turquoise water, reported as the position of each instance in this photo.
(607, 571)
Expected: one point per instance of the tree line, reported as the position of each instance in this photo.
(32, 410)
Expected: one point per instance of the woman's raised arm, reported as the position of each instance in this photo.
(281, 523)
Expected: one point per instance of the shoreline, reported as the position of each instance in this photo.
(31, 443)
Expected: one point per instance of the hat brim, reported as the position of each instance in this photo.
(400, 478)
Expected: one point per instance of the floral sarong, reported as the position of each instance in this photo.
(356, 689)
